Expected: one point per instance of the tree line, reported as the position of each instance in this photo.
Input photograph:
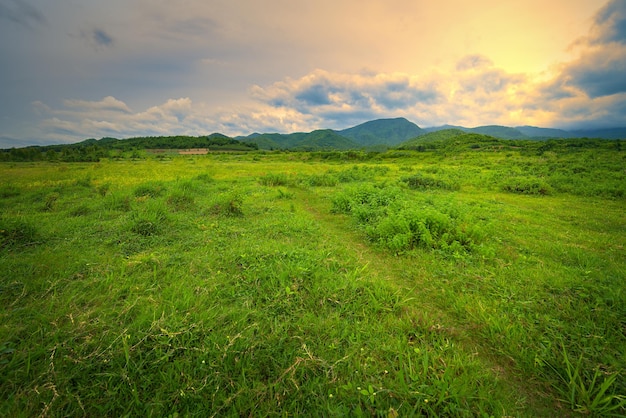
(92, 150)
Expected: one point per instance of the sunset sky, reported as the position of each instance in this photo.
(77, 69)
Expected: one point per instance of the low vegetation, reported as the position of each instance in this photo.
(468, 278)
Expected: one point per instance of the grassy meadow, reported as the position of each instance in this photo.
(467, 281)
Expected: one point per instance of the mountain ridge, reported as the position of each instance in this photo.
(378, 134)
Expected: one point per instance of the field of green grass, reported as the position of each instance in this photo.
(474, 281)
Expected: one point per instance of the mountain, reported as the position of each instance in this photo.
(610, 133)
(323, 139)
(534, 132)
(382, 132)
(497, 131)
(452, 139)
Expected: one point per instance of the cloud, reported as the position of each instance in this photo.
(21, 12)
(335, 96)
(600, 67)
(610, 23)
(98, 38)
(472, 62)
(80, 119)
(109, 103)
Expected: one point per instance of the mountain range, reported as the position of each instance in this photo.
(375, 135)
(396, 131)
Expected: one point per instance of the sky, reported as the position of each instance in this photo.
(77, 69)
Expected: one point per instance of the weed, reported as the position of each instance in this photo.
(83, 182)
(149, 220)
(103, 189)
(117, 202)
(16, 233)
(274, 180)
(322, 180)
(283, 194)
(422, 182)
(9, 190)
(524, 185)
(584, 392)
(50, 202)
(152, 189)
(229, 204)
(81, 210)
(181, 201)
(205, 178)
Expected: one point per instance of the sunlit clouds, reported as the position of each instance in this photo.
(131, 68)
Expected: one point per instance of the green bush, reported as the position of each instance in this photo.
(273, 180)
(389, 218)
(408, 228)
(322, 180)
(421, 182)
(526, 185)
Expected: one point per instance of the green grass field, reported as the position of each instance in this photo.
(465, 282)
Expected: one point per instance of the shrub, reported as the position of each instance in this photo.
(389, 219)
(361, 173)
(275, 180)
(322, 180)
(526, 185)
(408, 228)
(421, 182)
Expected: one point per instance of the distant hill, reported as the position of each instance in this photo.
(534, 132)
(435, 137)
(375, 135)
(323, 139)
(497, 131)
(453, 138)
(610, 133)
(382, 132)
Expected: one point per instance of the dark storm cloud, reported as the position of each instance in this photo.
(20, 12)
(600, 80)
(314, 95)
(610, 23)
(599, 70)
